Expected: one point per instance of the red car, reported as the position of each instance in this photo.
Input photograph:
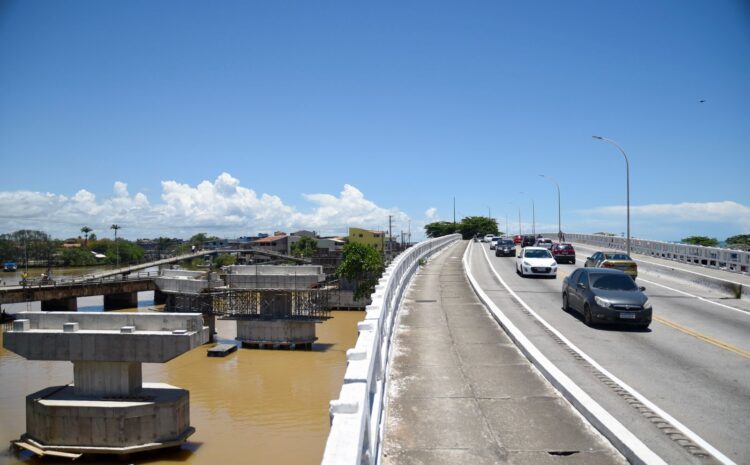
(563, 253)
(517, 239)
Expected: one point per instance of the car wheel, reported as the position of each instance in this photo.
(588, 319)
(573, 261)
(566, 305)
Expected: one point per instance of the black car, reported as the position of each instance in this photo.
(506, 248)
(528, 241)
(606, 296)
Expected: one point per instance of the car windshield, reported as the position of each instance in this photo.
(616, 256)
(506, 243)
(538, 254)
(612, 282)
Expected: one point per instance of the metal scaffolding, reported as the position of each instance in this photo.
(265, 304)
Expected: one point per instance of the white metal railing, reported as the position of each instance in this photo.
(710, 257)
(356, 416)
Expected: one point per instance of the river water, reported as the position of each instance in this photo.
(251, 407)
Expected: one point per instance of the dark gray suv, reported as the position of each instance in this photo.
(505, 247)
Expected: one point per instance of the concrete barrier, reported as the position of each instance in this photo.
(356, 416)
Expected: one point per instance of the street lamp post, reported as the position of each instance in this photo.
(559, 222)
(117, 246)
(627, 182)
(533, 214)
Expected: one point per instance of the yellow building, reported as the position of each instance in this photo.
(367, 237)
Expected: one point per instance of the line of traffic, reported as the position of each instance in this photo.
(678, 425)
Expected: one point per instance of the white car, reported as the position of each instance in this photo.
(488, 238)
(536, 261)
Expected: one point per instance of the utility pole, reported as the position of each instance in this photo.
(454, 211)
(390, 235)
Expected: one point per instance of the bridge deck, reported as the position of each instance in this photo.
(461, 392)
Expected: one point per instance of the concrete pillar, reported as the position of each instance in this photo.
(69, 304)
(160, 298)
(287, 333)
(108, 379)
(210, 321)
(120, 301)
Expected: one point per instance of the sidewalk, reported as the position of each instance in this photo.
(460, 392)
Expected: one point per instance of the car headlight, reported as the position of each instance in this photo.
(602, 302)
(525, 263)
(647, 305)
(554, 265)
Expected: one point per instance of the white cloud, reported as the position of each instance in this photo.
(431, 213)
(713, 212)
(221, 207)
(667, 221)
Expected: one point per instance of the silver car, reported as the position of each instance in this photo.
(606, 296)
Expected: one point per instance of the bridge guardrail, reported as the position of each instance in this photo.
(737, 261)
(356, 416)
(82, 280)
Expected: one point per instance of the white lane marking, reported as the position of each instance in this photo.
(589, 247)
(684, 429)
(624, 441)
(745, 312)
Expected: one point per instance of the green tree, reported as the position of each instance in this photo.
(77, 257)
(701, 240)
(478, 225)
(129, 252)
(305, 247)
(36, 245)
(740, 239)
(441, 228)
(86, 230)
(225, 260)
(363, 265)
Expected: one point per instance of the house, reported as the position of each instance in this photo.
(279, 244)
(331, 244)
(368, 237)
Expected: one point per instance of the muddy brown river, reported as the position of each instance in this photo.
(251, 407)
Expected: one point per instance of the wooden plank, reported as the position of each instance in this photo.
(42, 452)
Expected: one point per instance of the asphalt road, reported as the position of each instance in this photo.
(693, 363)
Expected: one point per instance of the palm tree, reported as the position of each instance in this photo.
(117, 246)
(86, 230)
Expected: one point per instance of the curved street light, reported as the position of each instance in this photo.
(559, 222)
(533, 214)
(627, 182)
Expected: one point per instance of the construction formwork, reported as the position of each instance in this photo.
(265, 304)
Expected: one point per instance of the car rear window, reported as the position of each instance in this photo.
(538, 254)
(612, 282)
(616, 256)
(564, 246)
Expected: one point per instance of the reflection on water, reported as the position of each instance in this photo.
(253, 406)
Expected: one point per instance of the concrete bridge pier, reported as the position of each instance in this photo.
(120, 301)
(69, 304)
(275, 329)
(108, 409)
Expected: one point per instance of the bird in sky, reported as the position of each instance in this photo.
(701, 101)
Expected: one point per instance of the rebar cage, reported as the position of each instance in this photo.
(265, 304)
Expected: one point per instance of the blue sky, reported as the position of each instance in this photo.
(234, 118)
